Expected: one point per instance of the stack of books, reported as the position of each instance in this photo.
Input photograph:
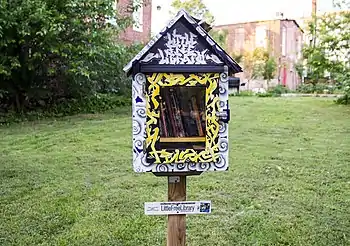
(182, 112)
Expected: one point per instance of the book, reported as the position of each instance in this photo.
(182, 112)
(177, 120)
(196, 114)
(202, 111)
(188, 121)
(164, 125)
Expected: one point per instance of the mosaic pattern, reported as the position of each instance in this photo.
(158, 80)
(140, 126)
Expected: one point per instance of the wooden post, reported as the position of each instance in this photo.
(177, 223)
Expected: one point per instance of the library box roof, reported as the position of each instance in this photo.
(182, 46)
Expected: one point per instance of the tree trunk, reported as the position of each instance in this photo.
(18, 103)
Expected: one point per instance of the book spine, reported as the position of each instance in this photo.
(192, 129)
(171, 119)
(202, 111)
(164, 127)
(197, 116)
(178, 119)
(185, 116)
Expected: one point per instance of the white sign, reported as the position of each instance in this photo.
(184, 207)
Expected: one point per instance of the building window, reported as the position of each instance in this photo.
(138, 15)
(284, 41)
(239, 39)
(260, 37)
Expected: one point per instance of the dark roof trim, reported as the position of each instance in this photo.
(182, 68)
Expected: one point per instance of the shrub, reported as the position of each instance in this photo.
(317, 88)
(97, 103)
(267, 94)
(278, 90)
(243, 94)
(65, 49)
(344, 80)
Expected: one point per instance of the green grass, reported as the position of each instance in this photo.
(70, 182)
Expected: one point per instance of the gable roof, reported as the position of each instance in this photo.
(197, 25)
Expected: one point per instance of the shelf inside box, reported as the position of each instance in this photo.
(181, 139)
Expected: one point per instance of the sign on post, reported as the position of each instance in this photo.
(185, 207)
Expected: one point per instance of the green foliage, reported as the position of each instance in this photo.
(271, 92)
(330, 50)
(278, 90)
(345, 79)
(267, 94)
(90, 104)
(270, 67)
(316, 61)
(109, 76)
(243, 94)
(299, 68)
(259, 65)
(220, 37)
(316, 88)
(195, 7)
(52, 49)
(97, 103)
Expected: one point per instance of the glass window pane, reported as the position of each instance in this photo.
(182, 121)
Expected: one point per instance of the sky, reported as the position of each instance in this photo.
(235, 11)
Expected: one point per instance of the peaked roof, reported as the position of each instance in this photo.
(197, 25)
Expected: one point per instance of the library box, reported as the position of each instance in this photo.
(180, 107)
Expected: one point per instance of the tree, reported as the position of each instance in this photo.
(220, 37)
(270, 67)
(52, 48)
(250, 67)
(330, 52)
(194, 7)
(259, 65)
(299, 68)
(199, 10)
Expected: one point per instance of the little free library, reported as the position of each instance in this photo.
(180, 106)
(180, 113)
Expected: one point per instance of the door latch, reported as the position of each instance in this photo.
(224, 115)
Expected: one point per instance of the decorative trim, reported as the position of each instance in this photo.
(164, 156)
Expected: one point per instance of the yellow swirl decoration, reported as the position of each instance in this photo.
(163, 156)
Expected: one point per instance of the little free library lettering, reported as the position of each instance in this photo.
(180, 103)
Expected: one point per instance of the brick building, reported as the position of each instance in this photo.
(282, 37)
(141, 30)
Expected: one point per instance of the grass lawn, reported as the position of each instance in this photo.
(70, 181)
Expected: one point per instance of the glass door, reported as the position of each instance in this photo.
(182, 117)
(182, 122)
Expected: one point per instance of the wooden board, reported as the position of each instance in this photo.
(182, 140)
(177, 223)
